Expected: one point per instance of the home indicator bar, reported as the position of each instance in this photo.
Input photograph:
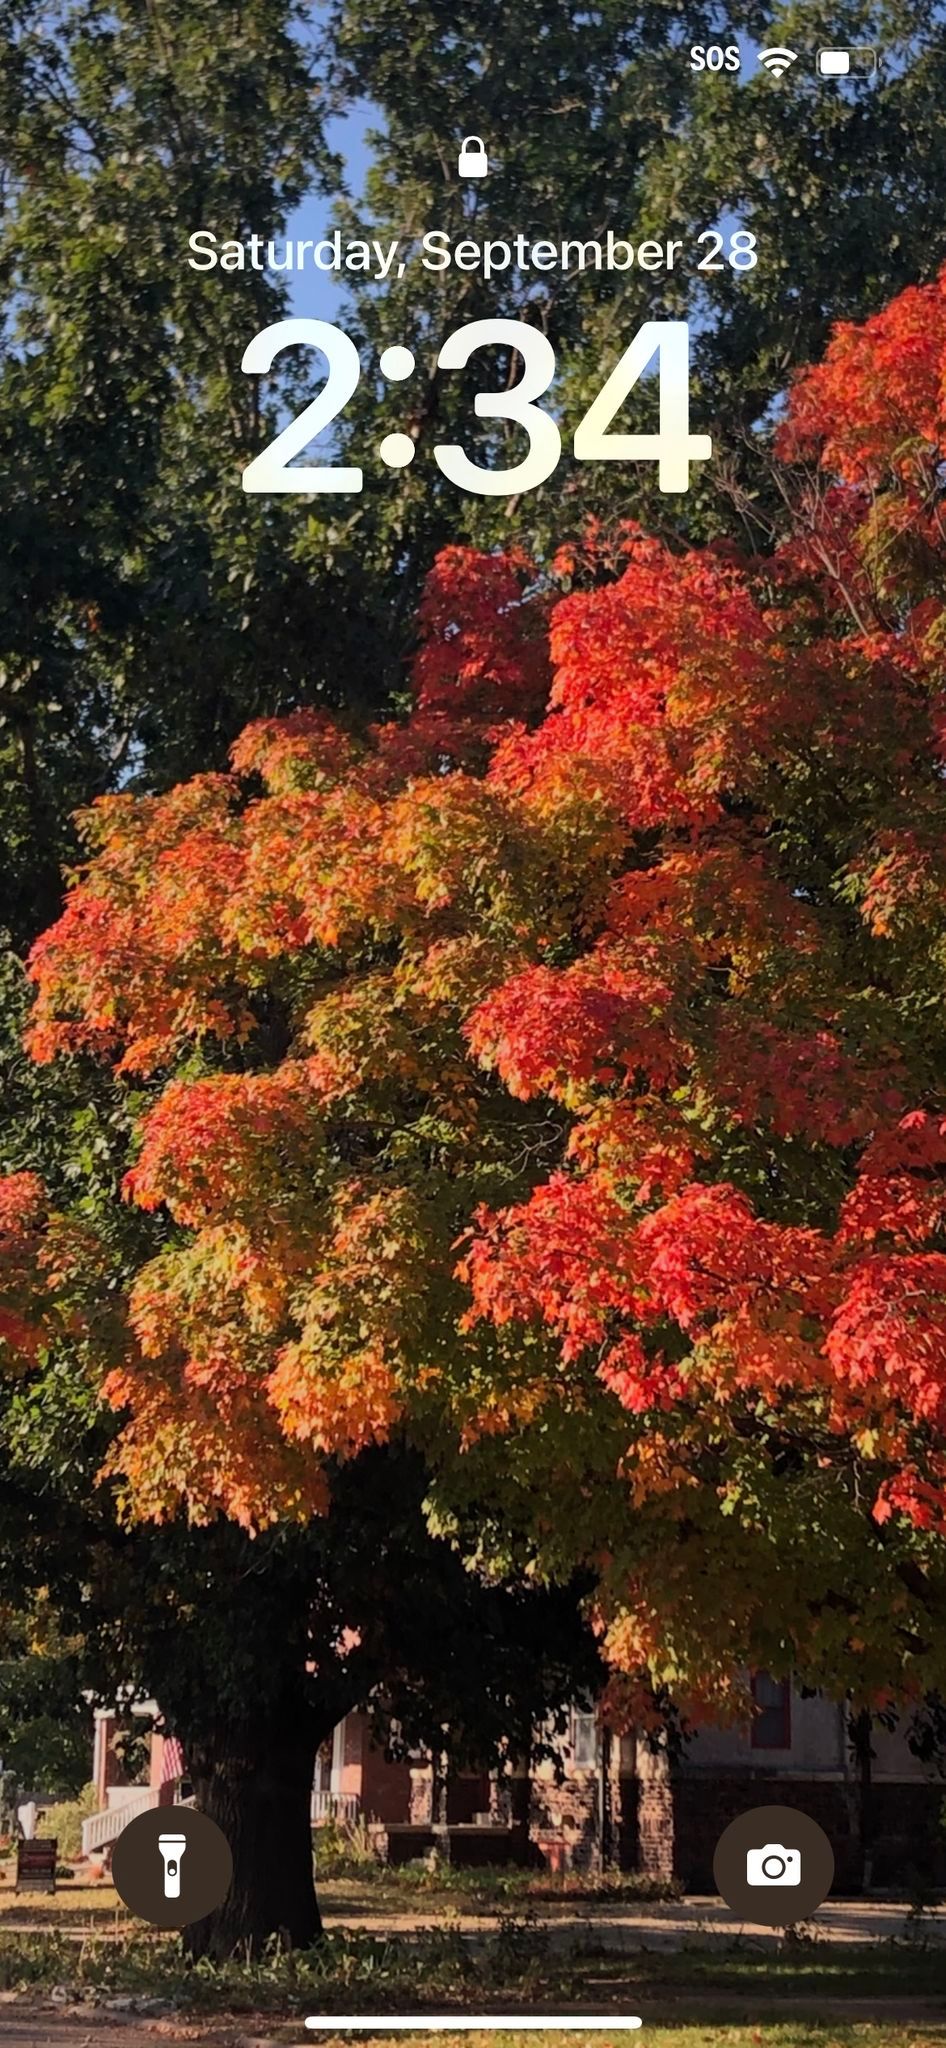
(467, 2023)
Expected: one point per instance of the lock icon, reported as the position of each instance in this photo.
(473, 161)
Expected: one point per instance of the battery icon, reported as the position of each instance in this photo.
(840, 63)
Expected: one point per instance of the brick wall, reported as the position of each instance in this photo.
(420, 1804)
(627, 1823)
(908, 1837)
(705, 1803)
(563, 1820)
(663, 1822)
(107, 1768)
(906, 1833)
(385, 1786)
(656, 1827)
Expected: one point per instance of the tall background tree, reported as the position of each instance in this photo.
(144, 597)
(147, 608)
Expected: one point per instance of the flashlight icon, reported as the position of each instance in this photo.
(172, 1848)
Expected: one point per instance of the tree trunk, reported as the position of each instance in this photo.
(257, 1786)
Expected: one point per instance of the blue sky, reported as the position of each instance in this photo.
(317, 293)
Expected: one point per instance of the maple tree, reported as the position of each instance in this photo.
(148, 617)
(553, 1079)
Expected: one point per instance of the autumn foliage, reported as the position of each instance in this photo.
(559, 1074)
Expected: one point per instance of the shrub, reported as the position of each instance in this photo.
(64, 1821)
(344, 1849)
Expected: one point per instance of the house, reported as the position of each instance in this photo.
(119, 1801)
(618, 1801)
(623, 1801)
(797, 1751)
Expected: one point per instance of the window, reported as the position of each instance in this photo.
(584, 1738)
(772, 1720)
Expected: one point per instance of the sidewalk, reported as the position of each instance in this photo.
(611, 1924)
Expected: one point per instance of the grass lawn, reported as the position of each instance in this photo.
(793, 2035)
(95, 1905)
(514, 1969)
(708, 1994)
(841, 1970)
(365, 1886)
(704, 2033)
(517, 1943)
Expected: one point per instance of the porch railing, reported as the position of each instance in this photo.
(101, 1829)
(343, 1806)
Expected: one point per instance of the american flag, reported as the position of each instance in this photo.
(172, 1760)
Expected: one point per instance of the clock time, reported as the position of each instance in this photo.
(672, 447)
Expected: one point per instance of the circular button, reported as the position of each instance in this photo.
(172, 1865)
(774, 1865)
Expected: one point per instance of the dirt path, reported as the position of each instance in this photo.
(618, 1924)
(47, 2030)
(665, 1925)
(25, 2026)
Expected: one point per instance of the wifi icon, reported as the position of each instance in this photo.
(777, 61)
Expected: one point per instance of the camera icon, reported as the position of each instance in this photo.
(773, 1865)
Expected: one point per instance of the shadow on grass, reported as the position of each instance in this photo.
(513, 1968)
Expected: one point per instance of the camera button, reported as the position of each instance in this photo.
(774, 1866)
